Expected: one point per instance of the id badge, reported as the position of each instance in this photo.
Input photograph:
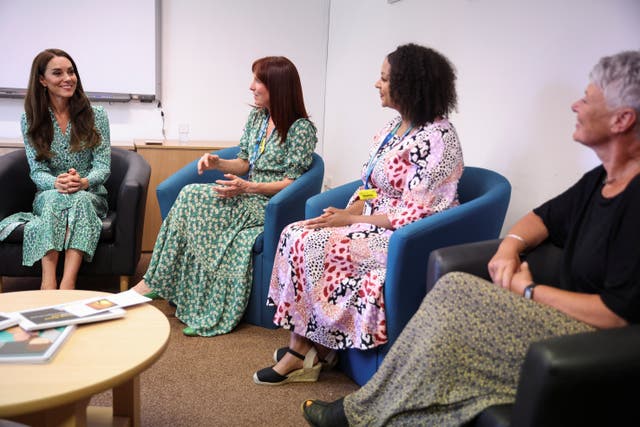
(367, 194)
(368, 208)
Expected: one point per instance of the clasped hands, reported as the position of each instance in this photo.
(70, 182)
(232, 186)
(332, 217)
(506, 270)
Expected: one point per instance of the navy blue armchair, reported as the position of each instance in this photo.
(484, 197)
(284, 208)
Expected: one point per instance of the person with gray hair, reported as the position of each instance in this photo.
(462, 351)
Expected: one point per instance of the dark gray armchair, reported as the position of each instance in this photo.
(580, 380)
(120, 244)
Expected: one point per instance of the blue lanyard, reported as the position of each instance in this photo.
(261, 141)
(374, 159)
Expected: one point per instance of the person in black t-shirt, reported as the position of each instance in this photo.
(463, 349)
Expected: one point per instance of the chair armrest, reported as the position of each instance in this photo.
(469, 257)
(582, 379)
(411, 245)
(545, 261)
(132, 199)
(337, 197)
(288, 205)
(16, 188)
(167, 191)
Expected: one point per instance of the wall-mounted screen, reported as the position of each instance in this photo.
(115, 44)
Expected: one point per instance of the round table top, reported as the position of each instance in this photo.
(94, 358)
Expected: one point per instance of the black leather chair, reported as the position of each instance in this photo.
(579, 380)
(120, 244)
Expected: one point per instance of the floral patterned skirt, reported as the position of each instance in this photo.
(460, 353)
(59, 222)
(327, 284)
(202, 258)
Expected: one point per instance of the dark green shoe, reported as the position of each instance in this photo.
(152, 295)
(324, 414)
(190, 332)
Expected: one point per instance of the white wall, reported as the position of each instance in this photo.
(520, 66)
(208, 48)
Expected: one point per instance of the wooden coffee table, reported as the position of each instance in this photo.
(96, 357)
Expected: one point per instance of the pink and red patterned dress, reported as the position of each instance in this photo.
(327, 283)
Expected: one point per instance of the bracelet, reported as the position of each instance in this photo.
(515, 236)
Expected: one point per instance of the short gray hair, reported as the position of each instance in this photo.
(619, 78)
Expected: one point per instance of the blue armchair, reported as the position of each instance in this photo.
(484, 197)
(285, 207)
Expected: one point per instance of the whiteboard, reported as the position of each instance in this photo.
(115, 44)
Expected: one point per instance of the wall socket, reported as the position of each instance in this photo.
(328, 183)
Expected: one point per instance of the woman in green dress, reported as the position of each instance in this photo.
(68, 150)
(202, 257)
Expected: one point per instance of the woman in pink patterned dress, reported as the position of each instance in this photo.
(329, 271)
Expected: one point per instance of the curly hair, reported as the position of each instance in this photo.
(282, 80)
(36, 106)
(422, 83)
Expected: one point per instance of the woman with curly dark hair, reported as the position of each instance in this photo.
(69, 154)
(328, 276)
(463, 350)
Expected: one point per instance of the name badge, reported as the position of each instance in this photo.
(367, 194)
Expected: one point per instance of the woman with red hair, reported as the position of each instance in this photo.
(202, 257)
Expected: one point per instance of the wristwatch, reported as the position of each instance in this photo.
(528, 291)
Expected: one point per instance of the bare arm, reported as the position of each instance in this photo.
(234, 185)
(210, 161)
(587, 308)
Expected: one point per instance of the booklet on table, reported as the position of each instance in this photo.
(83, 311)
(20, 346)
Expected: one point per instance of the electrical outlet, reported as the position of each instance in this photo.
(328, 182)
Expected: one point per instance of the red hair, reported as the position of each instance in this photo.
(286, 101)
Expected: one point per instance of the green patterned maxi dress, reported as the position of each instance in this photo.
(202, 257)
(54, 212)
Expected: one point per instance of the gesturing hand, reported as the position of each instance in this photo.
(332, 217)
(207, 162)
(231, 187)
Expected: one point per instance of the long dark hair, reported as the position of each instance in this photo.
(36, 107)
(422, 83)
(281, 79)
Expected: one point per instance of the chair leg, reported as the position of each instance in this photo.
(124, 283)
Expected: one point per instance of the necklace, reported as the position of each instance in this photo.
(634, 167)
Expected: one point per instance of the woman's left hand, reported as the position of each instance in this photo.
(332, 217)
(232, 186)
(521, 279)
(71, 182)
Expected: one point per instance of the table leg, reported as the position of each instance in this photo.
(71, 415)
(126, 400)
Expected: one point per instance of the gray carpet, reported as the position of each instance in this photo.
(208, 381)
